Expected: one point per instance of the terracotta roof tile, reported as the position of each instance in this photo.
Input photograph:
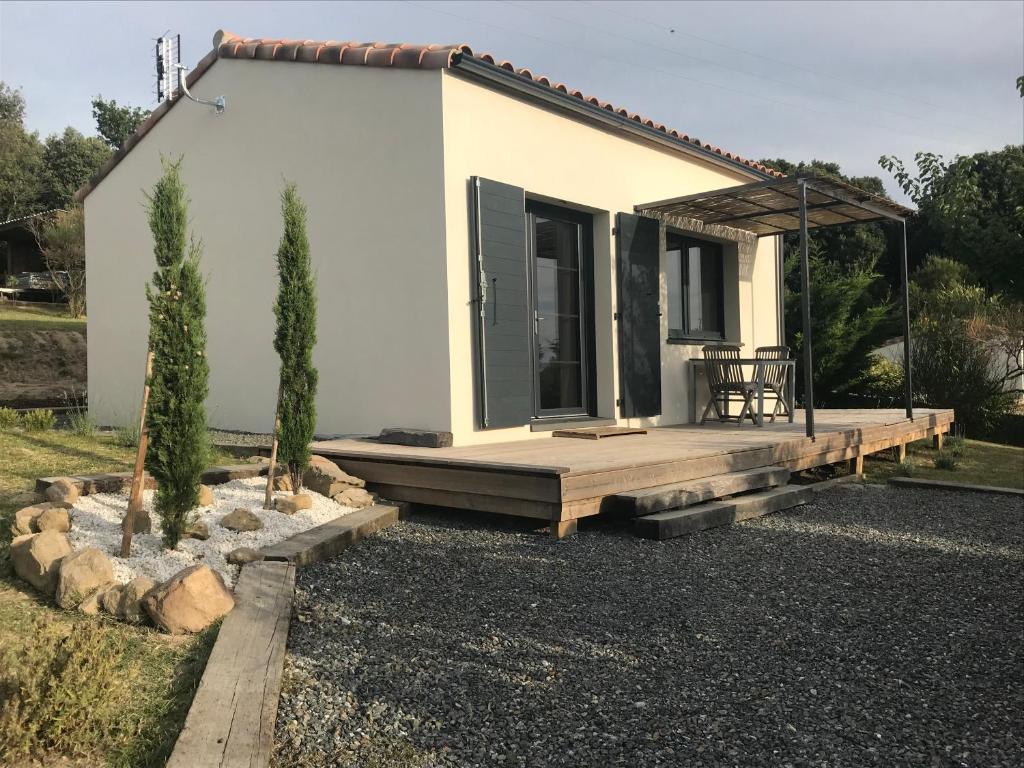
(399, 55)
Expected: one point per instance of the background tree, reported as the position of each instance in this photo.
(115, 123)
(178, 443)
(21, 158)
(295, 310)
(61, 239)
(69, 160)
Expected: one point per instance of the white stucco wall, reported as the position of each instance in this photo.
(363, 144)
(559, 159)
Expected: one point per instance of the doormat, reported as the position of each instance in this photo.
(596, 433)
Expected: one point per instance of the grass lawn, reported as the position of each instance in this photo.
(44, 317)
(982, 464)
(89, 691)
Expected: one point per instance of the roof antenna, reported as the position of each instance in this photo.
(219, 104)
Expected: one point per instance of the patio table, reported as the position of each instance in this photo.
(759, 368)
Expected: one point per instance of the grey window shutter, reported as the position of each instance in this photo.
(637, 267)
(504, 349)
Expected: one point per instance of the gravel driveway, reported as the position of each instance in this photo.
(873, 627)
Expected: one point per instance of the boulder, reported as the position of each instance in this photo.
(93, 603)
(36, 558)
(129, 604)
(354, 497)
(422, 438)
(327, 478)
(142, 522)
(82, 573)
(110, 600)
(206, 496)
(198, 530)
(243, 555)
(241, 520)
(54, 519)
(62, 489)
(189, 601)
(282, 482)
(292, 504)
(25, 518)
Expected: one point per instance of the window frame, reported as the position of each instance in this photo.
(685, 242)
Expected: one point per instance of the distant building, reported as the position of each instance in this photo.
(19, 251)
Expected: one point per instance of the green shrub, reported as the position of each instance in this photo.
(176, 417)
(79, 420)
(906, 468)
(9, 418)
(295, 309)
(946, 460)
(38, 420)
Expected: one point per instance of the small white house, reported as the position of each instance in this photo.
(483, 263)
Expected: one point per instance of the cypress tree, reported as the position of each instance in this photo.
(295, 309)
(178, 442)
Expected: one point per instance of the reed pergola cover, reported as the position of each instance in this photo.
(797, 204)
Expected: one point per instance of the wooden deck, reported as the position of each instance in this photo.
(561, 479)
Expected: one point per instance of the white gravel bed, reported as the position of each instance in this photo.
(96, 522)
(872, 627)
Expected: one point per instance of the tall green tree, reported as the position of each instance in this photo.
(176, 417)
(115, 122)
(21, 158)
(69, 160)
(295, 310)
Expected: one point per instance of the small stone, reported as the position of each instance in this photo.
(206, 496)
(110, 600)
(282, 482)
(36, 558)
(198, 530)
(292, 504)
(189, 601)
(54, 519)
(141, 523)
(62, 489)
(92, 605)
(243, 555)
(241, 520)
(258, 460)
(82, 573)
(354, 497)
(129, 606)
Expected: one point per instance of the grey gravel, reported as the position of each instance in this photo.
(873, 627)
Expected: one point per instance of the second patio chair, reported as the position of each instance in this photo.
(775, 377)
(727, 383)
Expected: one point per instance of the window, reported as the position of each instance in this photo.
(696, 306)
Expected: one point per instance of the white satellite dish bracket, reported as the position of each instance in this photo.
(219, 104)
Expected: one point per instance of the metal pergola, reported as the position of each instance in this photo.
(798, 204)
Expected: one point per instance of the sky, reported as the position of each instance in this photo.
(845, 82)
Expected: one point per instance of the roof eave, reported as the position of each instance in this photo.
(505, 79)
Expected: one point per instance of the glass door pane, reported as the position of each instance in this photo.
(558, 332)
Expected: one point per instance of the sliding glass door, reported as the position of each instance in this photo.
(560, 368)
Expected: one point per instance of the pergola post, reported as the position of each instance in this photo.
(805, 306)
(908, 389)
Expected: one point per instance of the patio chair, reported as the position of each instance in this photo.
(775, 377)
(727, 383)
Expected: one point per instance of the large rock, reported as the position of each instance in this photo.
(93, 603)
(141, 522)
(26, 517)
(292, 504)
(354, 497)
(55, 519)
(189, 601)
(325, 477)
(241, 520)
(129, 604)
(110, 600)
(62, 489)
(243, 555)
(82, 573)
(36, 558)
(282, 482)
(206, 496)
(422, 438)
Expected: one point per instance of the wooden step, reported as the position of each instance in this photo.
(647, 501)
(679, 522)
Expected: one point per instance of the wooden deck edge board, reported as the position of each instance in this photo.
(646, 501)
(475, 465)
(231, 720)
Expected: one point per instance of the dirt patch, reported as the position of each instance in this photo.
(38, 367)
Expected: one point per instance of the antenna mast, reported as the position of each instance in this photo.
(168, 57)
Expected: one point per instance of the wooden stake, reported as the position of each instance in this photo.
(139, 476)
(268, 500)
